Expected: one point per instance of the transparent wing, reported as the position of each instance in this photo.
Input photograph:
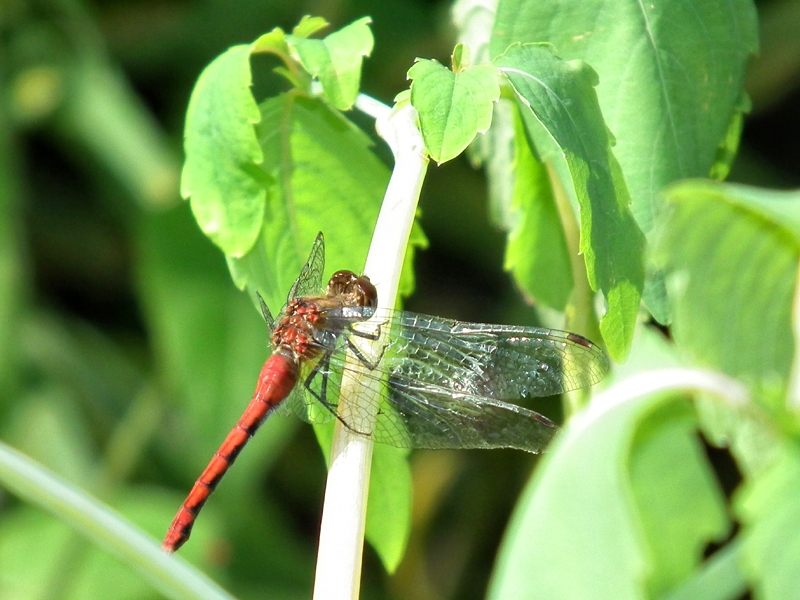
(446, 384)
(265, 312)
(496, 361)
(309, 282)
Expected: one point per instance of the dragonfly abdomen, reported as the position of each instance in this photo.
(278, 377)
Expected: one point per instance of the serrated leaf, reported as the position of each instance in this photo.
(733, 253)
(336, 60)
(769, 508)
(220, 175)
(537, 249)
(561, 114)
(670, 79)
(452, 107)
(311, 153)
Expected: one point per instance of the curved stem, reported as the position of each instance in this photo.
(169, 574)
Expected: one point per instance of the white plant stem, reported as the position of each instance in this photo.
(341, 543)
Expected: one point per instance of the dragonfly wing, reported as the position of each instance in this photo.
(265, 312)
(443, 420)
(417, 414)
(309, 282)
(496, 361)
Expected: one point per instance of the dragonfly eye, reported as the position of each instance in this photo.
(356, 290)
(369, 295)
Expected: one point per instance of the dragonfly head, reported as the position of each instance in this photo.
(352, 289)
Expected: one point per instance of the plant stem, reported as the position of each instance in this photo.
(344, 512)
(169, 574)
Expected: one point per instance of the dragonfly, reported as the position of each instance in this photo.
(436, 383)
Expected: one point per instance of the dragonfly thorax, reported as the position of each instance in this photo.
(294, 330)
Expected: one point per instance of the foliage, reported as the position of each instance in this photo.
(601, 128)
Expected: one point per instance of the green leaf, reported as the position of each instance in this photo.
(623, 503)
(273, 41)
(336, 60)
(561, 114)
(726, 152)
(576, 532)
(389, 510)
(308, 26)
(537, 249)
(677, 496)
(769, 508)
(325, 177)
(453, 107)
(732, 252)
(670, 81)
(719, 578)
(222, 153)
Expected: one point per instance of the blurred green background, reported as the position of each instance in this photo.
(126, 353)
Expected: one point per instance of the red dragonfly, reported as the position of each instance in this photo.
(443, 383)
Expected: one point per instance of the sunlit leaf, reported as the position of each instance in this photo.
(220, 175)
(537, 250)
(577, 531)
(719, 578)
(325, 178)
(667, 92)
(453, 107)
(769, 508)
(561, 114)
(733, 253)
(336, 60)
(678, 498)
(308, 26)
(574, 533)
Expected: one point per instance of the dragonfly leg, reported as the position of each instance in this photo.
(321, 396)
(322, 365)
(363, 359)
(369, 335)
